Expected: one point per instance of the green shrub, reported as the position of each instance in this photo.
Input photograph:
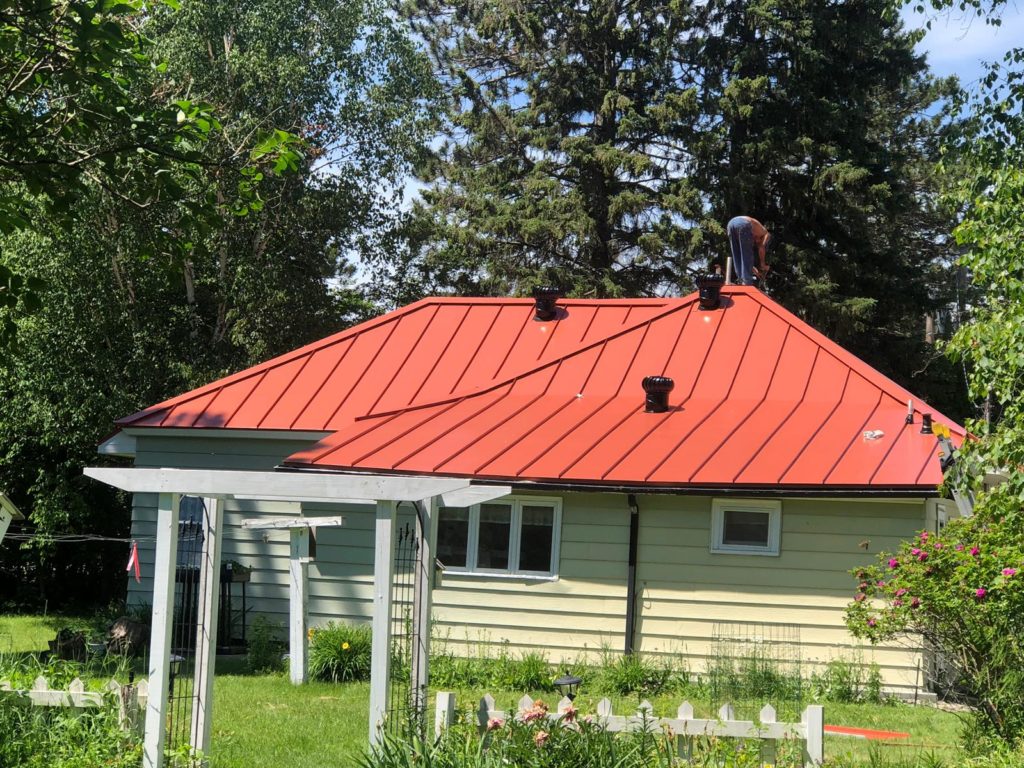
(340, 652)
(962, 591)
(637, 674)
(264, 654)
(848, 682)
(506, 670)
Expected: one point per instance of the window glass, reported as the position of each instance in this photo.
(536, 538)
(745, 528)
(453, 536)
(495, 530)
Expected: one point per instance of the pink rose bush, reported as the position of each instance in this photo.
(963, 595)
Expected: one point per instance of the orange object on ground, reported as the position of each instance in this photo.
(865, 733)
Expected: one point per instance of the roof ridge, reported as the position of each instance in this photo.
(676, 304)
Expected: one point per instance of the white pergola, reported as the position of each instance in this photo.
(384, 491)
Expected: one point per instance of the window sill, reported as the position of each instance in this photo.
(755, 552)
(447, 574)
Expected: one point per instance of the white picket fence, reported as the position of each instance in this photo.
(810, 730)
(131, 699)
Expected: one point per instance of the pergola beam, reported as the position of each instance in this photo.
(294, 486)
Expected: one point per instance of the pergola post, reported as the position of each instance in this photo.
(426, 530)
(164, 569)
(298, 604)
(380, 658)
(206, 634)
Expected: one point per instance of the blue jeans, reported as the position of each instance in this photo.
(741, 241)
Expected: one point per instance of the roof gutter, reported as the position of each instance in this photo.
(911, 492)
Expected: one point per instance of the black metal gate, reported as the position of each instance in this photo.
(404, 715)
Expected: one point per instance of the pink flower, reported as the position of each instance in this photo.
(1009, 571)
(894, 563)
(922, 556)
(938, 545)
(871, 622)
(495, 723)
(915, 603)
(569, 715)
(859, 597)
(880, 583)
(975, 551)
(901, 592)
(959, 547)
(915, 551)
(980, 593)
(897, 602)
(924, 535)
(540, 738)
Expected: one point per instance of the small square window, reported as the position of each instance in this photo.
(744, 526)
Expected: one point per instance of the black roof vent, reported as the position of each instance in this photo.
(709, 286)
(926, 423)
(545, 297)
(657, 389)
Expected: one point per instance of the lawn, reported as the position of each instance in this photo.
(263, 720)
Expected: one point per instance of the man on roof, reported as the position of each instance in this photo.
(749, 241)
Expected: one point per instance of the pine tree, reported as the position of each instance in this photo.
(604, 145)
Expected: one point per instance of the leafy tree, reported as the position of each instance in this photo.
(245, 260)
(962, 591)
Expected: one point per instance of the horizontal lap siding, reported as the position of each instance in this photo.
(685, 590)
(583, 610)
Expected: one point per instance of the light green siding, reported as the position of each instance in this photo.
(684, 591)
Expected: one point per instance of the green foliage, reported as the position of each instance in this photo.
(264, 652)
(754, 675)
(528, 671)
(637, 674)
(847, 682)
(963, 592)
(59, 737)
(340, 652)
(148, 291)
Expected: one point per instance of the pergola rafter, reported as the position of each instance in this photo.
(427, 493)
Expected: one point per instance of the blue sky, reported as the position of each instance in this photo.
(958, 43)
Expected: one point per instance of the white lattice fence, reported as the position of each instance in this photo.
(810, 730)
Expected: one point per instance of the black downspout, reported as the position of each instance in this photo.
(634, 532)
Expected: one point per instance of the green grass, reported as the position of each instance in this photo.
(265, 720)
(22, 634)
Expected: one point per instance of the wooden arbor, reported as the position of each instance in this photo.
(428, 493)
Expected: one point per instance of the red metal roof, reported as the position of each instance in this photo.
(418, 354)
(475, 387)
(760, 400)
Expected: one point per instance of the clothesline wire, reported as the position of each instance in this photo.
(76, 538)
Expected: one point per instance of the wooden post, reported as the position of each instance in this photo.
(206, 633)
(383, 572)
(814, 747)
(426, 530)
(164, 568)
(298, 568)
(444, 712)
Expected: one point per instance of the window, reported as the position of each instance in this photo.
(746, 527)
(510, 537)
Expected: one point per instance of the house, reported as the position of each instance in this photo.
(677, 465)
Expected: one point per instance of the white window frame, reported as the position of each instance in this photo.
(774, 510)
(515, 537)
